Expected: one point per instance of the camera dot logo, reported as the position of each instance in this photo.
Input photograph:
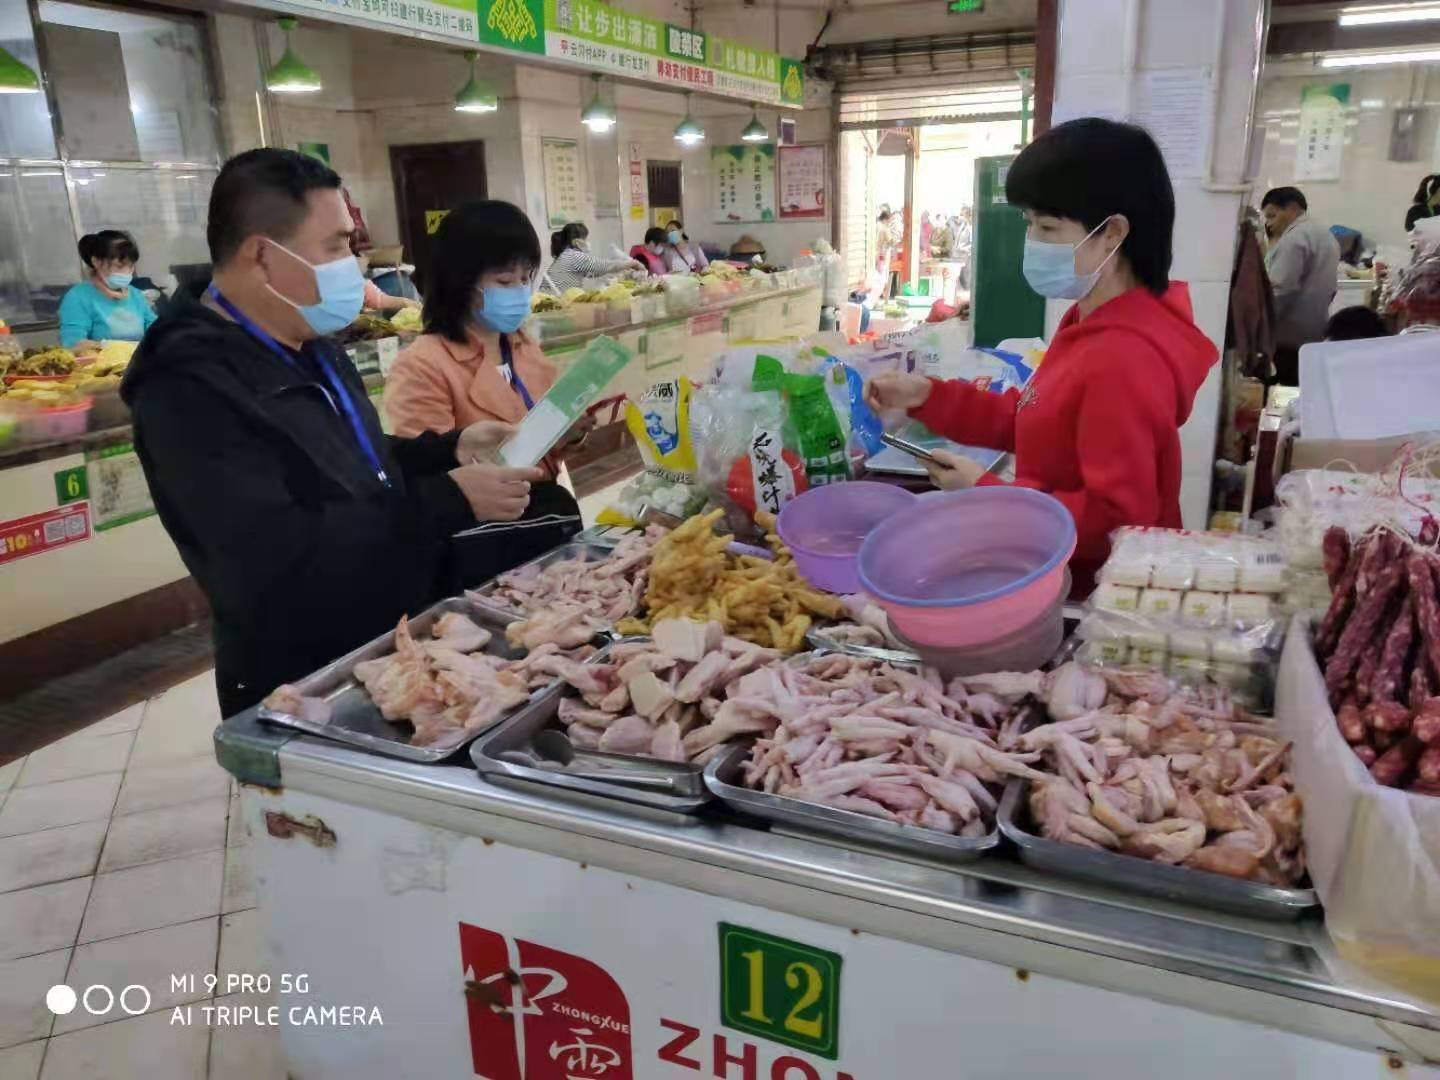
(60, 999)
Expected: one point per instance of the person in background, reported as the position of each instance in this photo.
(104, 306)
(681, 256)
(884, 252)
(1426, 203)
(1304, 266)
(652, 251)
(1355, 324)
(573, 263)
(376, 298)
(1099, 425)
(309, 530)
(926, 231)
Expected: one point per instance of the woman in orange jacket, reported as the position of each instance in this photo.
(473, 363)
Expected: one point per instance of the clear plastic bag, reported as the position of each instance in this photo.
(743, 456)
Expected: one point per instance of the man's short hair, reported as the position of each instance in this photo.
(1284, 198)
(262, 192)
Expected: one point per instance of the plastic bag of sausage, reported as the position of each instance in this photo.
(1373, 851)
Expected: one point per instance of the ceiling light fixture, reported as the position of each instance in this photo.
(1375, 59)
(688, 132)
(15, 77)
(475, 96)
(755, 131)
(598, 116)
(291, 75)
(1382, 14)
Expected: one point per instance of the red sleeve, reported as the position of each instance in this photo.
(1118, 437)
(966, 414)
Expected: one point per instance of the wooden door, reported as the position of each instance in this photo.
(431, 180)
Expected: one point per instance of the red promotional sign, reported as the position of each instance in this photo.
(44, 532)
(541, 1014)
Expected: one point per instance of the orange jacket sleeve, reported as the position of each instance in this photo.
(417, 398)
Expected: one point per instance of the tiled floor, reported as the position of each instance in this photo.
(122, 861)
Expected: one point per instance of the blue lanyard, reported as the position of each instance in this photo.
(337, 395)
(507, 361)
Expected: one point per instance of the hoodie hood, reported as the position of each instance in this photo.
(1167, 324)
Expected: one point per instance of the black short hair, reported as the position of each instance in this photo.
(474, 238)
(108, 244)
(1354, 324)
(566, 235)
(1089, 170)
(654, 235)
(262, 192)
(1427, 188)
(1284, 197)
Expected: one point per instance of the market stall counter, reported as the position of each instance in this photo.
(464, 927)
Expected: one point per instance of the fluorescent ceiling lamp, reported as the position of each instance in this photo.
(475, 96)
(15, 77)
(688, 132)
(598, 116)
(1375, 59)
(755, 131)
(291, 75)
(1381, 14)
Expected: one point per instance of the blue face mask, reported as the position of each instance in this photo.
(1050, 268)
(673, 237)
(341, 286)
(119, 281)
(504, 308)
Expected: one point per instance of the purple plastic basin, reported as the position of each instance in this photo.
(825, 527)
(963, 568)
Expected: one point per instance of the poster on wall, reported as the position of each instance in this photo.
(637, 183)
(743, 178)
(318, 150)
(802, 181)
(1320, 147)
(118, 491)
(562, 181)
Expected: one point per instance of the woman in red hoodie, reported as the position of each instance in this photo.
(1098, 426)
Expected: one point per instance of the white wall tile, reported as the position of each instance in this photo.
(1089, 35)
(1205, 231)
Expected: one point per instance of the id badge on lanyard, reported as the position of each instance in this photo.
(512, 375)
(336, 393)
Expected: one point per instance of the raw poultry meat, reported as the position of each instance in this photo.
(1183, 779)
(668, 697)
(440, 690)
(859, 735)
(571, 600)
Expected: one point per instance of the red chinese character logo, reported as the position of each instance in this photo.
(541, 1014)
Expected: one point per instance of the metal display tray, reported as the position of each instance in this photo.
(1134, 874)
(354, 718)
(482, 597)
(722, 776)
(821, 642)
(502, 751)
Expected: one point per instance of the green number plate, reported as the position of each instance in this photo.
(780, 990)
(71, 485)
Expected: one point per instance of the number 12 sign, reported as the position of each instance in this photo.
(780, 990)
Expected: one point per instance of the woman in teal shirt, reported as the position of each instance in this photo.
(104, 307)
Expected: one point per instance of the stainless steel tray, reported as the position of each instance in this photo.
(502, 751)
(1178, 883)
(483, 597)
(820, 641)
(722, 776)
(354, 718)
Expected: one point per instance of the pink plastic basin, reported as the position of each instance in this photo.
(825, 527)
(964, 568)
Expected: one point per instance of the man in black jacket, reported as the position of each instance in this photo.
(309, 530)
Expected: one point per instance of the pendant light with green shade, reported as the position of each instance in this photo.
(15, 77)
(475, 96)
(291, 75)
